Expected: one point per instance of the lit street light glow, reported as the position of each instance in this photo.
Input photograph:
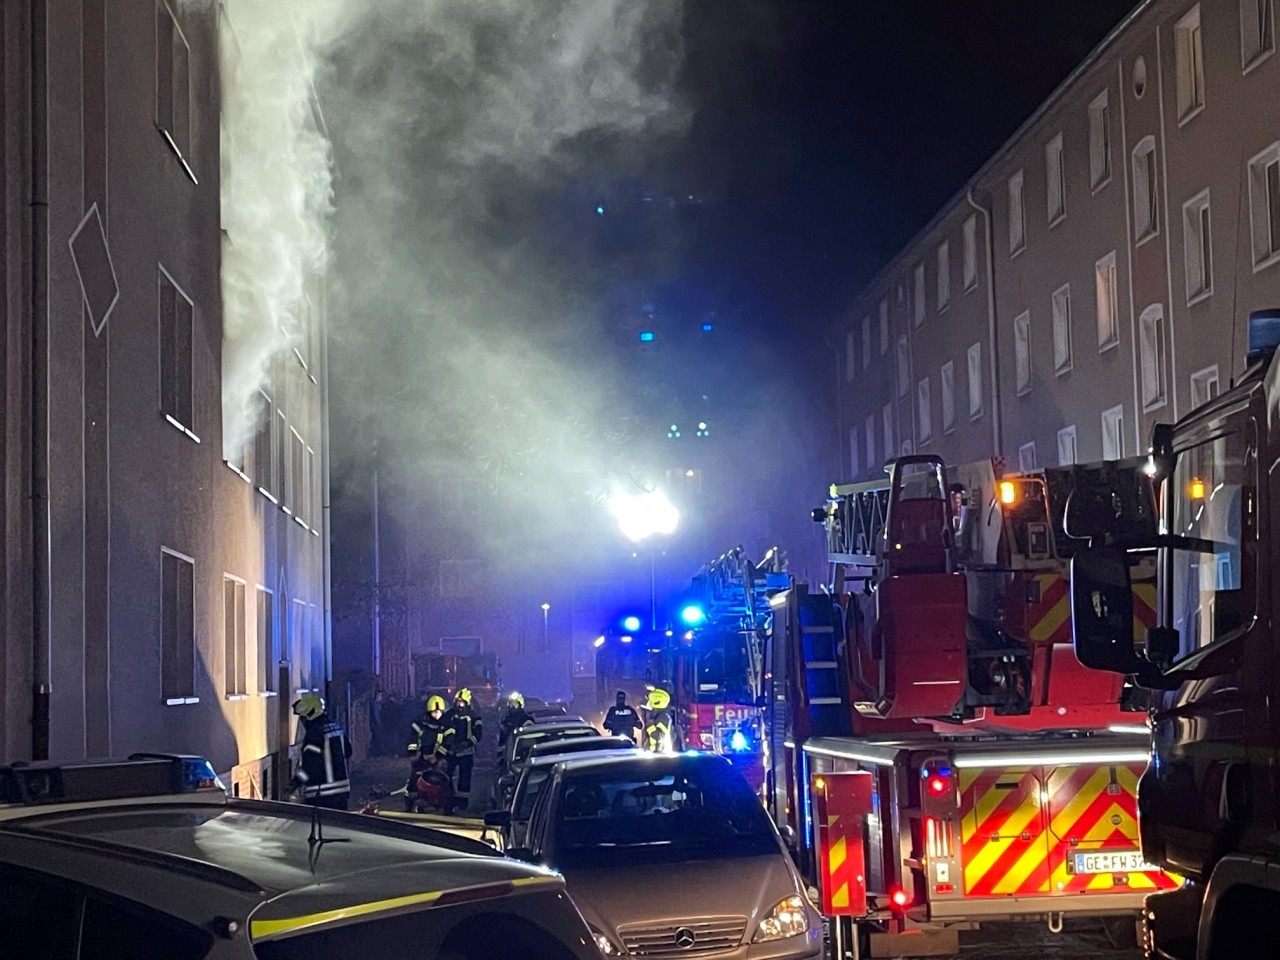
(641, 515)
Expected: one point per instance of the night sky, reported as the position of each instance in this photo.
(826, 133)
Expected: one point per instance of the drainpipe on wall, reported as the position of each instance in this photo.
(976, 200)
(40, 632)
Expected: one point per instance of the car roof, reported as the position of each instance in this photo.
(577, 763)
(552, 758)
(268, 846)
(560, 723)
(580, 745)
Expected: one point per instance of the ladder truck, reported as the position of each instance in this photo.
(934, 749)
(1210, 797)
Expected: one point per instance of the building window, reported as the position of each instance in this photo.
(884, 327)
(233, 636)
(176, 318)
(1062, 329)
(1067, 446)
(887, 416)
(944, 275)
(1257, 32)
(298, 486)
(918, 296)
(281, 444)
(1055, 180)
(866, 342)
(268, 642)
(1104, 274)
(461, 578)
(1204, 386)
(1188, 52)
(853, 452)
(848, 356)
(1264, 206)
(970, 257)
(1017, 215)
(904, 367)
(923, 411)
(1197, 247)
(975, 381)
(1146, 199)
(1022, 352)
(1113, 433)
(315, 516)
(870, 436)
(299, 653)
(948, 378)
(1027, 457)
(1099, 142)
(173, 83)
(264, 454)
(177, 628)
(1151, 332)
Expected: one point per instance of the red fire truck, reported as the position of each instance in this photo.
(933, 746)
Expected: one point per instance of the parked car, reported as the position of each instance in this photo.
(518, 745)
(671, 855)
(513, 821)
(148, 859)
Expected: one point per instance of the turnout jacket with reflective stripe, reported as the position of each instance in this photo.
(325, 750)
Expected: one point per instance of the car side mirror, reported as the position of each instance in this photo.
(1102, 611)
(521, 853)
(498, 818)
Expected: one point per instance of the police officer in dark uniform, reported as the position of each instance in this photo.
(623, 720)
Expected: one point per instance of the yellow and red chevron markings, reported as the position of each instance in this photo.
(1048, 620)
(1020, 826)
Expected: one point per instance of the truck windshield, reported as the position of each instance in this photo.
(1206, 494)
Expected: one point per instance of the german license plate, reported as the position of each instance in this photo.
(1109, 861)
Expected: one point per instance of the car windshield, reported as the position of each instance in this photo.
(533, 782)
(663, 810)
(527, 741)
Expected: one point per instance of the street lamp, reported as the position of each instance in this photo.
(546, 608)
(641, 516)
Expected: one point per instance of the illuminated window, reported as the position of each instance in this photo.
(1188, 54)
(1055, 180)
(1152, 347)
(1197, 247)
(235, 679)
(1099, 141)
(268, 641)
(1104, 272)
(1146, 197)
(1017, 215)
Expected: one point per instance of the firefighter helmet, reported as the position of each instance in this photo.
(435, 702)
(515, 699)
(462, 696)
(309, 706)
(658, 700)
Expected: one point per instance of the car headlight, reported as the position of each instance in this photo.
(604, 944)
(788, 918)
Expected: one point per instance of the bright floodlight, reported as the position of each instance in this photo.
(692, 614)
(546, 606)
(641, 515)
(631, 623)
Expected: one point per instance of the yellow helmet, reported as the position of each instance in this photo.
(462, 696)
(309, 706)
(435, 702)
(515, 699)
(658, 700)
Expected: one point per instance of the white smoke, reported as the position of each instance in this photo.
(276, 187)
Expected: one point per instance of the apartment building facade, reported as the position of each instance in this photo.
(158, 593)
(1096, 275)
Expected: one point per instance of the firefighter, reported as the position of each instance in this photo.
(428, 746)
(623, 720)
(461, 734)
(513, 718)
(660, 732)
(322, 774)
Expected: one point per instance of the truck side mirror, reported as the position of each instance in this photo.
(1102, 611)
